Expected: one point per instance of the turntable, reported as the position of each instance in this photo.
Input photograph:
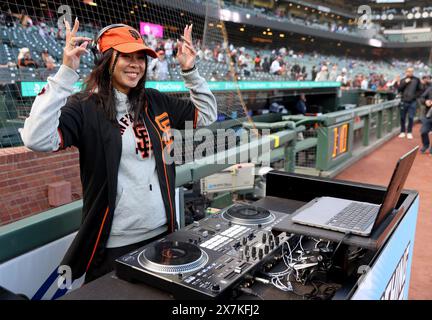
(206, 259)
(245, 214)
(173, 257)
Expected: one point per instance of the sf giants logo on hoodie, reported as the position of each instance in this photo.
(164, 125)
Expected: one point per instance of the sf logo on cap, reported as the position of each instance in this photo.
(134, 34)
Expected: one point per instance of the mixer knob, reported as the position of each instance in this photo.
(272, 245)
(277, 241)
(260, 253)
(215, 287)
(270, 237)
(190, 240)
(266, 249)
(264, 238)
(218, 227)
(253, 252)
(244, 240)
(251, 236)
(229, 223)
(205, 233)
(259, 225)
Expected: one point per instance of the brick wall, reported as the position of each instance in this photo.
(24, 179)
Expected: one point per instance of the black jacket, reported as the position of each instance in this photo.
(410, 91)
(84, 125)
(427, 95)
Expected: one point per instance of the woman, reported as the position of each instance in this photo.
(117, 125)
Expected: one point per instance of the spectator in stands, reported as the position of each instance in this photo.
(364, 83)
(426, 99)
(221, 57)
(265, 66)
(323, 74)
(48, 59)
(333, 73)
(257, 62)
(276, 66)
(25, 60)
(24, 19)
(314, 73)
(168, 47)
(159, 67)
(207, 54)
(121, 130)
(410, 88)
(300, 107)
(343, 78)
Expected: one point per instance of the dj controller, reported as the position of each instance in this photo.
(209, 257)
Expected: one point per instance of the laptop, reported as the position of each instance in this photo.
(356, 217)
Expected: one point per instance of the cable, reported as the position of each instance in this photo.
(250, 292)
(340, 242)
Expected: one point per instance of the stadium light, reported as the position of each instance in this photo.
(417, 15)
(410, 15)
(390, 16)
(425, 14)
(241, 29)
(247, 16)
(282, 35)
(384, 17)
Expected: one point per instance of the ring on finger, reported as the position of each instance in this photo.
(72, 43)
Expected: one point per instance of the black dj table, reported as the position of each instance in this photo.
(110, 287)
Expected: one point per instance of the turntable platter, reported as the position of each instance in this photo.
(248, 215)
(173, 257)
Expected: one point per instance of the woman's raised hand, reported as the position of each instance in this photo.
(71, 52)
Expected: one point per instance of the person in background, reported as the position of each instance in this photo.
(300, 107)
(314, 73)
(410, 88)
(48, 60)
(333, 73)
(342, 78)
(323, 74)
(159, 67)
(276, 66)
(265, 66)
(25, 60)
(168, 47)
(426, 120)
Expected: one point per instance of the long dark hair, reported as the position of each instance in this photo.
(99, 84)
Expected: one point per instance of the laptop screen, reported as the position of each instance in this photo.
(396, 184)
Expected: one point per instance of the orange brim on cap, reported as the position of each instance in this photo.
(133, 47)
(124, 39)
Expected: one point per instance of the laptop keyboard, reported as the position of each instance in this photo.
(356, 216)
